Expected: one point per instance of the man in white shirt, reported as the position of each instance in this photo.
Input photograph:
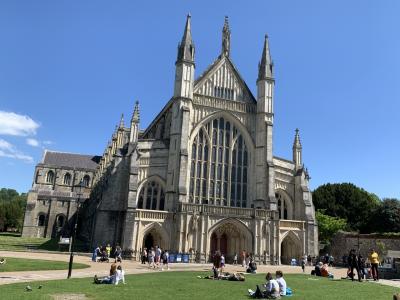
(282, 282)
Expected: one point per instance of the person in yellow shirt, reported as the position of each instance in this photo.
(374, 259)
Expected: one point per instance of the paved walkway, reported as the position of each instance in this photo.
(132, 267)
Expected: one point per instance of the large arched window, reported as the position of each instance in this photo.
(50, 177)
(67, 179)
(86, 181)
(152, 196)
(219, 165)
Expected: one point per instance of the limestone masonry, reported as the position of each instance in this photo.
(202, 177)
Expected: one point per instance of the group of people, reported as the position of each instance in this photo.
(364, 268)
(104, 253)
(273, 288)
(155, 257)
(117, 274)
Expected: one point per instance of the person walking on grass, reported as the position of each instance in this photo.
(374, 259)
(353, 264)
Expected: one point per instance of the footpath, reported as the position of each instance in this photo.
(133, 267)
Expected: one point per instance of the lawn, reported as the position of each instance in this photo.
(14, 242)
(185, 285)
(24, 264)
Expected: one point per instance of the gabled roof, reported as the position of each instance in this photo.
(214, 67)
(72, 160)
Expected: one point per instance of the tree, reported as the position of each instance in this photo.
(387, 216)
(12, 207)
(328, 226)
(349, 202)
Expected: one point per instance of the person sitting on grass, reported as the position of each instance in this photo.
(272, 289)
(325, 271)
(282, 282)
(119, 275)
(252, 267)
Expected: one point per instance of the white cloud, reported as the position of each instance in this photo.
(47, 143)
(15, 124)
(32, 142)
(8, 150)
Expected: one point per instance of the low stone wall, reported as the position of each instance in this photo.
(344, 241)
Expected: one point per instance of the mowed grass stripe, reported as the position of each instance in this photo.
(185, 285)
(24, 264)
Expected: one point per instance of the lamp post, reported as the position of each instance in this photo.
(73, 237)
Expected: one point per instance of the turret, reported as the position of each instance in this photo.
(184, 72)
(265, 193)
(134, 135)
(297, 151)
(265, 81)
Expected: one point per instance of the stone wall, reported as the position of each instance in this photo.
(344, 241)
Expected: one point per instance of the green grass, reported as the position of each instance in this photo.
(185, 285)
(24, 264)
(14, 242)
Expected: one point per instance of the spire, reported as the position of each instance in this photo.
(186, 46)
(136, 114)
(297, 151)
(121, 122)
(297, 143)
(265, 67)
(226, 38)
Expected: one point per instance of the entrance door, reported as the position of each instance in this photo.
(290, 248)
(224, 245)
(149, 241)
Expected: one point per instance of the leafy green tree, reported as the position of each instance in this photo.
(328, 226)
(349, 202)
(12, 208)
(387, 216)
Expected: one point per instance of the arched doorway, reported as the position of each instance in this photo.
(230, 237)
(154, 236)
(148, 241)
(290, 248)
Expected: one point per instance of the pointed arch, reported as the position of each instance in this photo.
(290, 247)
(220, 151)
(151, 193)
(285, 205)
(160, 235)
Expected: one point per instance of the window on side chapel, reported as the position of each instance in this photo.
(219, 165)
(50, 177)
(151, 196)
(67, 179)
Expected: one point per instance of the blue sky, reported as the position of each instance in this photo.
(68, 69)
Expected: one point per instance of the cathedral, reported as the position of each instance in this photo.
(201, 177)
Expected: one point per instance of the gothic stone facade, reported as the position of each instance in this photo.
(202, 177)
(52, 201)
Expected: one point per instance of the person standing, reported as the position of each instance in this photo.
(150, 256)
(165, 257)
(374, 259)
(158, 256)
(144, 256)
(96, 251)
(118, 254)
(108, 250)
(353, 264)
(235, 259)
(222, 262)
(243, 258)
